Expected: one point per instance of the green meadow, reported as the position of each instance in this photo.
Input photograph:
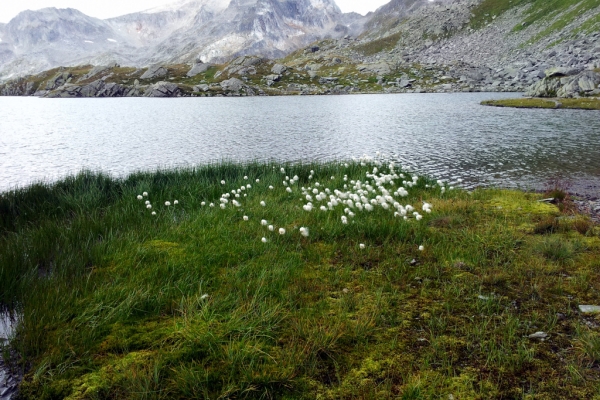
(192, 303)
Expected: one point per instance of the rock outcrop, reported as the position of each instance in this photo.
(154, 72)
(162, 89)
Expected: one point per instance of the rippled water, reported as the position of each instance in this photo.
(443, 135)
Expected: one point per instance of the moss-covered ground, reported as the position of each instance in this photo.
(581, 103)
(118, 303)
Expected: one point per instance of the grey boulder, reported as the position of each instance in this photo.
(232, 85)
(198, 68)
(278, 69)
(155, 71)
(162, 89)
(582, 83)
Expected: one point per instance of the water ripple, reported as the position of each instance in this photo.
(446, 136)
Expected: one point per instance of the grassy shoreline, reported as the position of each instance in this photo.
(118, 303)
(582, 103)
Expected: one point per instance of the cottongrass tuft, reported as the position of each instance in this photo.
(262, 203)
(361, 246)
(145, 194)
(176, 202)
(264, 222)
(271, 228)
(245, 218)
(281, 231)
(421, 248)
(167, 203)
(304, 231)
(149, 206)
(140, 197)
(264, 240)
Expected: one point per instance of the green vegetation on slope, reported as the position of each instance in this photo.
(538, 10)
(118, 303)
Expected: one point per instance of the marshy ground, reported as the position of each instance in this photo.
(580, 103)
(118, 303)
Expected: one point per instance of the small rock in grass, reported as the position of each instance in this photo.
(538, 335)
(589, 309)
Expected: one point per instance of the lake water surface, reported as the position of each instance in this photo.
(443, 135)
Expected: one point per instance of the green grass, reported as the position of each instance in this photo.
(582, 103)
(113, 298)
(559, 13)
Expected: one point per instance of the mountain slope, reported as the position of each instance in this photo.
(212, 30)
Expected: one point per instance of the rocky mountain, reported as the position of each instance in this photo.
(404, 46)
(209, 30)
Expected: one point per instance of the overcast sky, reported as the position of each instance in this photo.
(114, 8)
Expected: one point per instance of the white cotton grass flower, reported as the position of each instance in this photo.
(281, 231)
(361, 246)
(271, 228)
(212, 205)
(245, 178)
(270, 187)
(223, 206)
(262, 203)
(167, 203)
(288, 189)
(140, 197)
(344, 219)
(245, 218)
(153, 212)
(147, 202)
(222, 182)
(264, 240)
(258, 180)
(145, 194)
(204, 297)
(203, 203)
(304, 231)
(176, 202)
(282, 170)
(149, 206)
(264, 222)
(421, 248)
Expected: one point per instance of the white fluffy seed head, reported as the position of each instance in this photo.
(149, 206)
(153, 212)
(245, 218)
(140, 197)
(304, 231)
(362, 246)
(176, 202)
(264, 240)
(271, 228)
(262, 203)
(281, 231)
(222, 182)
(145, 194)
(264, 222)
(421, 248)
